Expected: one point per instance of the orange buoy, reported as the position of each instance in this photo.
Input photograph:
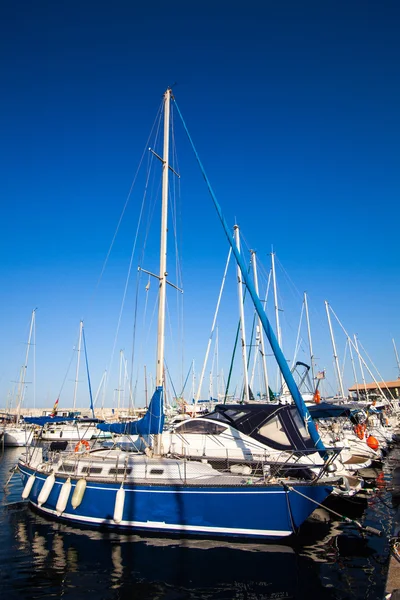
(359, 432)
(372, 442)
(83, 443)
(317, 397)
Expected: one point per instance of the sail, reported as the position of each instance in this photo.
(151, 423)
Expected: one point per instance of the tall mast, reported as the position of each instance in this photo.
(163, 246)
(397, 356)
(121, 358)
(278, 327)
(241, 313)
(213, 327)
(77, 365)
(261, 332)
(361, 366)
(21, 387)
(309, 338)
(163, 258)
(354, 368)
(335, 356)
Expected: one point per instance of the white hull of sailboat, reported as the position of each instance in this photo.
(17, 437)
(73, 434)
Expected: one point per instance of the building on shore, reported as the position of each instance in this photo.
(370, 391)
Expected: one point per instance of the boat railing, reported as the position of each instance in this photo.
(297, 464)
(267, 467)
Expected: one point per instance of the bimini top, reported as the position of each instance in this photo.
(279, 426)
(324, 410)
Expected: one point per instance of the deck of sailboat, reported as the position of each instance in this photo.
(115, 467)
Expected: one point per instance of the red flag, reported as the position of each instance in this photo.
(54, 411)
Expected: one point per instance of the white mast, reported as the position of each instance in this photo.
(213, 326)
(260, 329)
(121, 358)
(21, 387)
(77, 365)
(335, 356)
(278, 327)
(309, 339)
(163, 246)
(163, 257)
(397, 356)
(242, 325)
(354, 369)
(361, 366)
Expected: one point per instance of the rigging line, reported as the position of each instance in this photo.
(296, 296)
(213, 324)
(384, 382)
(294, 287)
(186, 380)
(345, 356)
(130, 270)
(280, 358)
(145, 341)
(170, 379)
(125, 289)
(178, 271)
(173, 343)
(298, 339)
(87, 371)
(176, 195)
(126, 202)
(358, 353)
(154, 194)
(234, 349)
(66, 374)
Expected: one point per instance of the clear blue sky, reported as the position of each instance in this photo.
(294, 108)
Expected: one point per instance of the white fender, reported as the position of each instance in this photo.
(46, 489)
(78, 494)
(28, 487)
(119, 505)
(63, 497)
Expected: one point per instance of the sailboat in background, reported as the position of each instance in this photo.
(71, 428)
(15, 433)
(155, 491)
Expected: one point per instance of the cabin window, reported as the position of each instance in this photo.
(300, 424)
(201, 427)
(273, 430)
(156, 471)
(216, 416)
(67, 468)
(121, 471)
(236, 415)
(91, 470)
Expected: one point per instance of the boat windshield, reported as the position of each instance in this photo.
(273, 430)
(198, 426)
(300, 424)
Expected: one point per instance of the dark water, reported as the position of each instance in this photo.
(42, 559)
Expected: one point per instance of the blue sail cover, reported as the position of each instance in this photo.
(280, 358)
(43, 420)
(151, 423)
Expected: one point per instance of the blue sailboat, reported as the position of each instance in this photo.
(152, 492)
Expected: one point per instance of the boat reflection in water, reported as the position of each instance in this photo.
(71, 562)
(49, 559)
